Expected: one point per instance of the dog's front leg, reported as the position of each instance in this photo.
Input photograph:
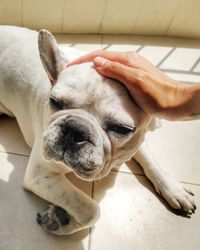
(66, 200)
(177, 196)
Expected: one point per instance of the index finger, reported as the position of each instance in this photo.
(110, 55)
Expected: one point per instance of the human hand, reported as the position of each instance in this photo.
(152, 90)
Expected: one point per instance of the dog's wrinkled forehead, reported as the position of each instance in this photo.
(81, 83)
(81, 86)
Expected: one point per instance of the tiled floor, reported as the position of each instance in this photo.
(132, 215)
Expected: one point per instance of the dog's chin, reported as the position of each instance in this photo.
(90, 176)
(82, 173)
(85, 175)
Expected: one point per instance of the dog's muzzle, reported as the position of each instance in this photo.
(77, 141)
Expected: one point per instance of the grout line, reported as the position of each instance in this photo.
(140, 48)
(90, 229)
(143, 175)
(90, 239)
(180, 71)
(195, 184)
(165, 57)
(195, 64)
(5, 152)
(125, 172)
(72, 45)
(107, 46)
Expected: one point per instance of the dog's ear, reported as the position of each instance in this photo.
(52, 58)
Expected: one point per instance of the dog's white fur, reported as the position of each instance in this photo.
(24, 94)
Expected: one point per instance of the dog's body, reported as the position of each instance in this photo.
(74, 120)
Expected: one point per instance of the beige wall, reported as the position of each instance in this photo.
(155, 17)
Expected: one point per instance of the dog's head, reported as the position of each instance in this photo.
(94, 125)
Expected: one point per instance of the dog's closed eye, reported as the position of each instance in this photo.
(118, 129)
(55, 103)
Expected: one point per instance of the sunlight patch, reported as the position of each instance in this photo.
(5, 171)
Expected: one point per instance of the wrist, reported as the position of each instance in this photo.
(186, 104)
(192, 106)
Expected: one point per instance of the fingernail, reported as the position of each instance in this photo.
(99, 61)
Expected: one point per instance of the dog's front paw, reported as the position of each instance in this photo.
(56, 220)
(53, 218)
(178, 197)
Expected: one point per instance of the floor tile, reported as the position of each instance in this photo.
(155, 54)
(121, 47)
(11, 139)
(181, 59)
(197, 68)
(120, 43)
(176, 147)
(88, 47)
(133, 217)
(18, 228)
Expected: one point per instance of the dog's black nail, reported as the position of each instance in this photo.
(54, 226)
(39, 219)
(45, 219)
(62, 215)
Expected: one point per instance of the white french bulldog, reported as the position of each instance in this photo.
(76, 120)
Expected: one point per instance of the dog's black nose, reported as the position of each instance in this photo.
(76, 132)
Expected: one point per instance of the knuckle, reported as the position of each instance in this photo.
(128, 57)
(131, 57)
